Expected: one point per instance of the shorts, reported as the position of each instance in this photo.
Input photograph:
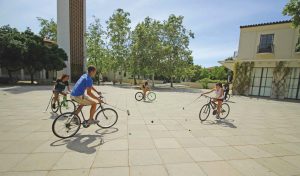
(58, 91)
(83, 100)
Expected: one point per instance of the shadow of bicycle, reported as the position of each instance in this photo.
(224, 123)
(85, 143)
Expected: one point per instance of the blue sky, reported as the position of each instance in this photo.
(214, 22)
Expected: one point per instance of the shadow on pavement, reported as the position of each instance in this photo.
(24, 89)
(224, 123)
(85, 143)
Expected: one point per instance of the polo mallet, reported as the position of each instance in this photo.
(191, 102)
(127, 111)
(48, 104)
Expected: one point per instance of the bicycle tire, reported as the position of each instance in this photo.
(68, 116)
(139, 96)
(206, 110)
(104, 112)
(151, 96)
(71, 107)
(224, 109)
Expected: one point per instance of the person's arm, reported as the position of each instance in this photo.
(208, 92)
(69, 88)
(90, 94)
(93, 88)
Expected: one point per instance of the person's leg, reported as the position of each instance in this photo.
(78, 109)
(55, 99)
(92, 110)
(225, 96)
(144, 94)
(219, 107)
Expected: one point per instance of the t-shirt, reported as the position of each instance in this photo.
(84, 82)
(60, 85)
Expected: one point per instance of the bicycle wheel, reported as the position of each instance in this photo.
(139, 96)
(56, 105)
(69, 106)
(107, 118)
(66, 125)
(224, 111)
(204, 112)
(151, 96)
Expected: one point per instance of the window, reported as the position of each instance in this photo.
(261, 81)
(266, 43)
(293, 84)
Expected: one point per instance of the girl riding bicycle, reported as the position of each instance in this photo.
(219, 95)
(59, 87)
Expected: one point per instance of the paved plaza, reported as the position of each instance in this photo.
(259, 137)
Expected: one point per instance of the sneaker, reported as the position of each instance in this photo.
(218, 116)
(90, 122)
(53, 106)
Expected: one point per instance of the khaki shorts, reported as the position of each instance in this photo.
(83, 100)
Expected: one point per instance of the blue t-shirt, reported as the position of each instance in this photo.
(84, 82)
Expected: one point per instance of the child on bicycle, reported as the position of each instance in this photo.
(219, 95)
(145, 88)
(59, 87)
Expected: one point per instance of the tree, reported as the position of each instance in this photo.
(48, 28)
(11, 49)
(119, 40)
(292, 9)
(146, 48)
(55, 59)
(36, 54)
(175, 40)
(96, 48)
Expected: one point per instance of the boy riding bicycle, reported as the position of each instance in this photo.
(85, 82)
(59, 87)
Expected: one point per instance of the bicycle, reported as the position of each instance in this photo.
(151, 96)
(69, 123)
(64, 106)
(205, 110)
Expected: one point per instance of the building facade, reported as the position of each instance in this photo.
(268, 62)
(71, 24)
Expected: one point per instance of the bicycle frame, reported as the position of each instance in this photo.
(99, 107)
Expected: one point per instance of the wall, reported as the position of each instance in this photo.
(285, 39)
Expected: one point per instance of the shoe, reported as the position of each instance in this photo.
(214, 112)
(218, 116)
(53, 106)
(90, 122)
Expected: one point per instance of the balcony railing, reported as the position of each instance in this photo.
(265, 48)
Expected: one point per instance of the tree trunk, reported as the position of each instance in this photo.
(98, 79)
(134, 80)
(121, 79)
(31, 78)
(114, 80)
(153, 80)
(9, 75)
(171, 81)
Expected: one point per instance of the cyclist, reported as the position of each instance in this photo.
(219, 92)
(85, 82)
(226, 90)
(145, 88)
(59, 87)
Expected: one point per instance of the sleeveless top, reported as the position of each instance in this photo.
(218, 93)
